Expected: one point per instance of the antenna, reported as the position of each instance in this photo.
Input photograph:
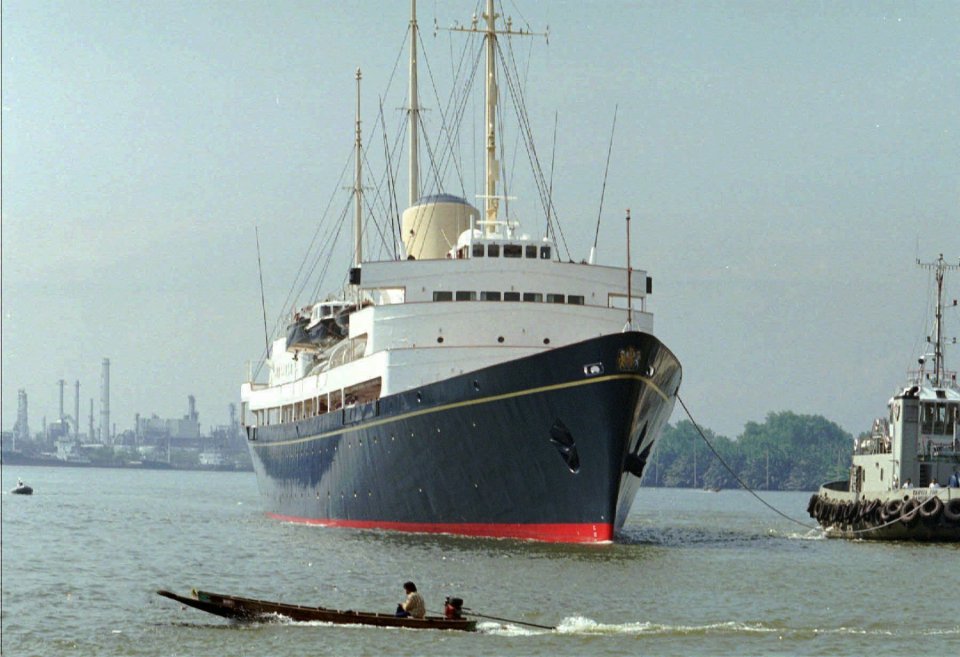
(940, 267)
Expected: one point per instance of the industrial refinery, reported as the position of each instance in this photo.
(152, 442)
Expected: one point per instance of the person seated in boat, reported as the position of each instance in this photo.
(413, 606)
(907, 483)
(452, 608)
(934, 483)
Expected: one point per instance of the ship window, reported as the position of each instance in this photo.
(493, 250)
(927, 413)
(511, 296)
(544, 252)
(555, 298)
(363, 393)
(531, 251)
(478, 250)
(308, 407)
(443, 296)
(490, 296)
(575, 299)
(512, 251)
(463, 295)
(321, 404)
(532, 296)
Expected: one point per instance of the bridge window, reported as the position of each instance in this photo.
(478, 250)
(532, 296)
(493, 250)
(512, 251)
(555, 298)
(490, 296)
(531, 251)
(511, 296)
(544, 252)
(443, 296)
(575, 299)
(464, 295)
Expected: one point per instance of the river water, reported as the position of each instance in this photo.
(695, 573)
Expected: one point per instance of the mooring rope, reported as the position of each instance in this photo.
(735, 475)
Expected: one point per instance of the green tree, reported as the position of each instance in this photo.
(785, 452)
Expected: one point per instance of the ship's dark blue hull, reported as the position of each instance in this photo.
(547, 447)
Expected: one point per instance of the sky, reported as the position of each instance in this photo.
(785, 163)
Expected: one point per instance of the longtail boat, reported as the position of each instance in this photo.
(251, 610)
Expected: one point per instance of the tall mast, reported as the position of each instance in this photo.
(358, 189)
(940, 268)
(414, 113)
(491, 170)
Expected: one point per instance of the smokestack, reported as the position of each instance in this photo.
(105, 436)
(76, 411)
(61, 383)
(192, 403)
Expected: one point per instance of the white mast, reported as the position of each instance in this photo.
(940, 267)
(414, 114)
(358, 190)
(492, 167)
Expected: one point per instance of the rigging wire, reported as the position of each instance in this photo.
(553, 157)
(606, 169)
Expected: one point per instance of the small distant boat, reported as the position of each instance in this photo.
(22, 489)
(251, 610)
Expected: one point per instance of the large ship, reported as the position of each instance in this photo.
(474, 384)
(904, 481)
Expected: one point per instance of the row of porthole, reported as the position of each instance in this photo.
(500, 339)
(343, 496)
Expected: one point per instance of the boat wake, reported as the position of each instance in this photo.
(581, 626)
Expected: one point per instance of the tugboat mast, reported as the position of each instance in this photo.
(940, 268)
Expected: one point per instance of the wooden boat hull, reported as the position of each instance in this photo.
(251, 610)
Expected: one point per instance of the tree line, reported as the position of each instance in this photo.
(785, 452)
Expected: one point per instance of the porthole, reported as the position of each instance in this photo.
(440, 340)
(500, 339)
(546, 341)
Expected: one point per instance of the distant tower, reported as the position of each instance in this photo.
(105, 403)
(76, 410)
(233, 421)
(192, 401)
(91, 437)
(21, 430)
(61, 383)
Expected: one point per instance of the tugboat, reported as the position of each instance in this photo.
(904, 482)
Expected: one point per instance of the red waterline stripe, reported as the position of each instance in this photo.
(549, 532)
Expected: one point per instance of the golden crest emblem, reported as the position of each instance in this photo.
(629, 360)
